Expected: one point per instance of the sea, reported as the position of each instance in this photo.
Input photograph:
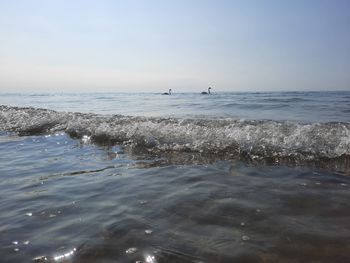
(144, 178)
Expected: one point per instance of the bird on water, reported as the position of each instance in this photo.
(204, 92)
(167, 93)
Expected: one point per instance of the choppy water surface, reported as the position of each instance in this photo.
(173, 187)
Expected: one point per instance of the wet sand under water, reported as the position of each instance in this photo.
(68, 201)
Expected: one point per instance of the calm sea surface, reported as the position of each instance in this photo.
(227, 177)
(292, 106)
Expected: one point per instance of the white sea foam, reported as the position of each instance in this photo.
(230, 137)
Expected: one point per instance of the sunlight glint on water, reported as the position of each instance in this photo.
(95, 188)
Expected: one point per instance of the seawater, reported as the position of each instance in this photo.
(291, 106)
(230, 177)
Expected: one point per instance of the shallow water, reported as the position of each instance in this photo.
(177, 186)
(60, 195)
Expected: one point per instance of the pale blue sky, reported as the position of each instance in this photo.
(60, 46)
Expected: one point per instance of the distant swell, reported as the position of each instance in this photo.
(226, 137)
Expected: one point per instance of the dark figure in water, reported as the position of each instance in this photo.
(204, 92)
(167, 93)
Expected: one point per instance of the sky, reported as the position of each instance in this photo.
(185, 45)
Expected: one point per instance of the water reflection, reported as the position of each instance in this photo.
(150, 258)
(166, 211)
(65, 256)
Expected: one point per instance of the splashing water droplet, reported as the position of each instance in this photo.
(86, 139)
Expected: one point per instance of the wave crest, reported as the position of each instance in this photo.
(229, 137)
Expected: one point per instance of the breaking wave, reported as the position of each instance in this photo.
(225, 137)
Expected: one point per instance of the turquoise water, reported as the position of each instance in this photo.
(237, 177)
